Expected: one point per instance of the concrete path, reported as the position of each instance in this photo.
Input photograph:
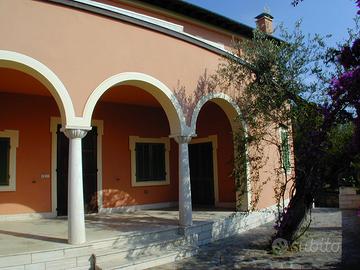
(332, 242)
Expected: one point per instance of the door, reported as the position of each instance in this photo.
(201, 174)
(89, 157)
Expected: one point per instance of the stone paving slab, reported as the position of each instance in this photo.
(332, 242)
(47, 234)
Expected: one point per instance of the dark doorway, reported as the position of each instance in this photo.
(201, 174)
(89, 156)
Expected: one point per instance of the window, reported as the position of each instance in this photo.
(285, 149)
(149, 161)
(8, 145)
(4, 161)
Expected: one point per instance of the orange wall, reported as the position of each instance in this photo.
(191, 26)
(84, 49)
(120, 122)
(30, 115)
(213, 121)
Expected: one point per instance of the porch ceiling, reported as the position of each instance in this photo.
(127, 94)
(14, 81)
(17, 82)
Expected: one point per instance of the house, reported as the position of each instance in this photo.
(89, 117)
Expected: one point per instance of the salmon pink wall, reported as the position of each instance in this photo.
(30, 115)
(120, 122)
(191, 26)
(213, 121)
(84, 49)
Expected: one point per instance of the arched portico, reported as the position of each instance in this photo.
(71, 124)
(233, 113)
(28, 65)
(227, 104)
(133, 83)
(151, 85)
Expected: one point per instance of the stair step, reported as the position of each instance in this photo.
(144, 249)
(136, 239)
(150, 260)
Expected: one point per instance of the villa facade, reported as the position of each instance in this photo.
(90, 121)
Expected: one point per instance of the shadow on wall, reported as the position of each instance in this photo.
(116, 198)
(205, 86)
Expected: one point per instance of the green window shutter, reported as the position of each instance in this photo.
(4, 161)
(285, 148)
(150, 162)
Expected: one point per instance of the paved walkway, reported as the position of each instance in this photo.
(332, 242)
(47, 234)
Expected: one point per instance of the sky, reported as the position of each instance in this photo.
(318, 16)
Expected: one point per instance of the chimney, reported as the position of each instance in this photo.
(264, 22)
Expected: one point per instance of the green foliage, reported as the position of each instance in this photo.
(338, 156)
(271, 78)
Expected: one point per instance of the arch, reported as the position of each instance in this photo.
(160, 91)
(232, 111)
(226, 103)
(28, 65)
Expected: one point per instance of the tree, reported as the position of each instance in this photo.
(296, 2)
(273, 97)
(299, 82)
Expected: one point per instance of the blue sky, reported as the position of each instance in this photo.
(318, 16)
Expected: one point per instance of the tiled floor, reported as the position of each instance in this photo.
(45, 234)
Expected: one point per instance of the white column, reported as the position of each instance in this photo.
(185, 207)
(76, 218)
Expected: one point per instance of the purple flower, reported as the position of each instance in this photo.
(346, 57)
(356, 51)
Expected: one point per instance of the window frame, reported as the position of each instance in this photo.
(132, 145)
(286, 168)
(13, 135)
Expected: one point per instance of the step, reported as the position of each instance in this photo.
(159, 252)
(150, 260)
(135, 238)
(146, 248)
(105, 249)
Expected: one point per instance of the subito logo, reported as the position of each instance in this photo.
(279, 246)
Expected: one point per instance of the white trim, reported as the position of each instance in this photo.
(135, 16)
(228, 105)
(24, 63)
(26, 216)
(135, 139)
(232, 111)
(13, 135)
(54, 122)
(213, 140)
(160, 91)
(133, 208)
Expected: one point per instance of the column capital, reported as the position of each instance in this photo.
(75, 133)
(183, 139)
